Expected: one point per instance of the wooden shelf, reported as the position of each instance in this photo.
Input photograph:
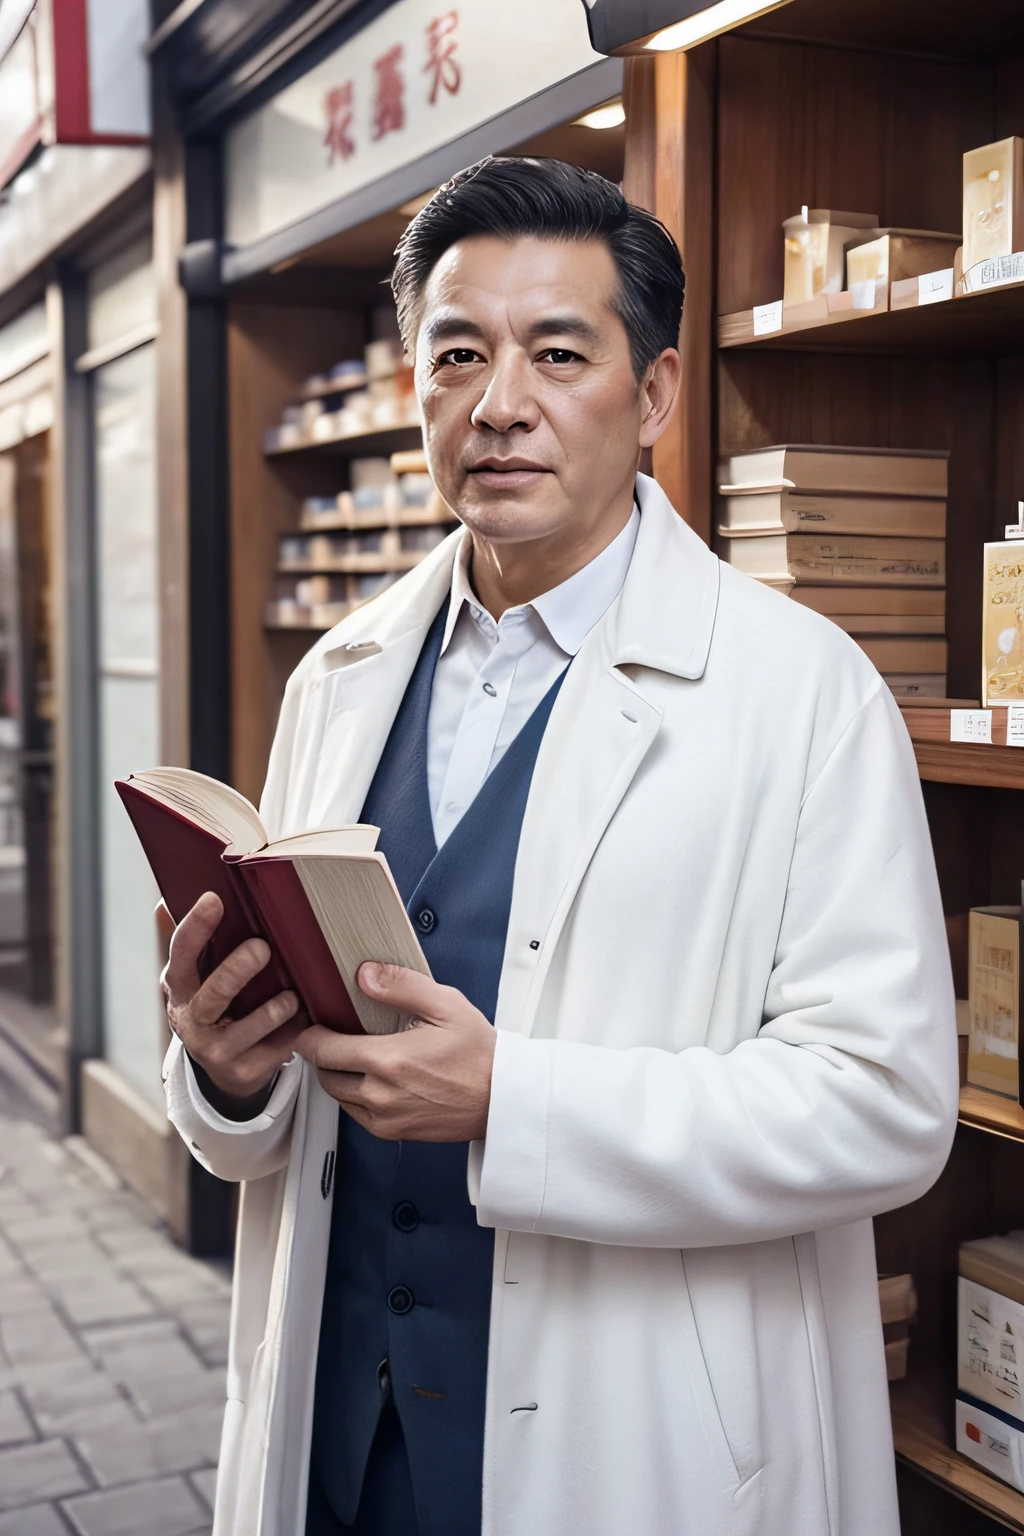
(379, 443)
(976, 322)
(354, 565)
(991, 1112)
(409, 517)
(966, 762)
(961, 1477)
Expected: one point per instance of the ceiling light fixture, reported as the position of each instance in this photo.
(666, 26)
(613, 115)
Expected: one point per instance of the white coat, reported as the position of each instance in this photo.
(725, 1041)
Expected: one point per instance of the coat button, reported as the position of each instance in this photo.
(400, 1300)
(426, 920)
(405, 1216)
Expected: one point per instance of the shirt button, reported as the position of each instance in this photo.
(405, 1216)
(490, 689)
(426, 920)
(401, 1300)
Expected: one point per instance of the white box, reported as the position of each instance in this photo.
(992, 1440)
(990, 1347)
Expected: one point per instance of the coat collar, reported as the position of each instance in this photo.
(665, 616)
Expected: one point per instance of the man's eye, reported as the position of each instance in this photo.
(560, 355)
(458, 356)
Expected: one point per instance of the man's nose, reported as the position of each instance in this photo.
(508, 400)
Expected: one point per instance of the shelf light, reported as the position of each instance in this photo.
(611, 115)
(707, 23)
(625, 27)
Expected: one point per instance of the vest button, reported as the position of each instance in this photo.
(426, 920)
(405, 1216)
(400, 1300)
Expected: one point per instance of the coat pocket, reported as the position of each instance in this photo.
(698, 1378)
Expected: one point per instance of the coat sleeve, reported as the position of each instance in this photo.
(234, 1150)
(842, 1106)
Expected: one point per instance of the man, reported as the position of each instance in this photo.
(663, 829)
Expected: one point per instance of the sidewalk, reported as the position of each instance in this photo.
(112, 1347)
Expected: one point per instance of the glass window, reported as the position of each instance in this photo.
(129, 703)
(122, 294)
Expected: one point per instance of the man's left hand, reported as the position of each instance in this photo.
(428, 1083)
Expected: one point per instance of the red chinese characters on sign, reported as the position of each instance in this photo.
(442, 64)
(389, 93)
(338, 111)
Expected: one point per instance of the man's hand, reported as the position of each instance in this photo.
(428, 1083)
(240, 1056)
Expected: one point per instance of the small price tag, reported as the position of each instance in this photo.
(1015, 725)
(863, 294)
(994, 272)
(934, 287)
(767, 318)
(971, 725)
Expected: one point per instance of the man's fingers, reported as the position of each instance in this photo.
(164, 931)
(223, 985)
(188, 941)
(329, 1051)
(222, 1046)
(419, 995)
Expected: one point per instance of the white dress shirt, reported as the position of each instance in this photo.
(490, 676)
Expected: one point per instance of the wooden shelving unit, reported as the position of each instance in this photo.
(870, 106)
(970, 1483)
(967, 763)
(355, 445)
(991, 1112)
(978, 323)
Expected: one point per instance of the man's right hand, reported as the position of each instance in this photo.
(240, 1056)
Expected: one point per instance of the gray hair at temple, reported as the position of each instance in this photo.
(512, 198)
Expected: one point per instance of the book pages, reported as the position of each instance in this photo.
(361, 915)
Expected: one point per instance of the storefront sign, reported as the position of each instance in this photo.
(421, 74)
(74, 74)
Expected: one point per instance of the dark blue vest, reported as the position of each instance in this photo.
(407, 1301)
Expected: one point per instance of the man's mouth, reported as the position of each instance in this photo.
(507, 474)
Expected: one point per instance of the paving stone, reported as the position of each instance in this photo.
(40, 1520)
(205, 1484)
(15, 1424)
(91, 1299)
(42, 1230)
(38, 1336)
(131, 1452)
(166, 1507)
(72, 1402)
(205, 1325)
(32, 1473)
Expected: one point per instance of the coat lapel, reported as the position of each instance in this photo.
(600, 731)
(354, 692)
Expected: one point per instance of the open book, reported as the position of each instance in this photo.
(324, 901)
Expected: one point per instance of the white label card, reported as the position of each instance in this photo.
(970, 725)
(1015, 725)
(934, 287)
(767, 318)
(863, 294)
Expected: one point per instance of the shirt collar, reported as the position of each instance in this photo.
(570, 610)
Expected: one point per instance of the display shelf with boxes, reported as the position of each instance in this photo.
(825, 364)
(350, 547)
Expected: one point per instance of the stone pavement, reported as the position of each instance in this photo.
(112, 1349)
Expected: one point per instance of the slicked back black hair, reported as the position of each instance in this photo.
(513, 198)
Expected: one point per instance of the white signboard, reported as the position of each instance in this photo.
(418, 76)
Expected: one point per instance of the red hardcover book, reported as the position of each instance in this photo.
(324, 901)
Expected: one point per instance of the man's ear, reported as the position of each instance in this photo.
(658, 392)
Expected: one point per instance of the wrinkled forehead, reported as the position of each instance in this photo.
(495, 283)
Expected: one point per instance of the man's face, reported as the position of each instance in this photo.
(532, 412)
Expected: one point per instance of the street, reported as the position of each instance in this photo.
(112, 1343)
